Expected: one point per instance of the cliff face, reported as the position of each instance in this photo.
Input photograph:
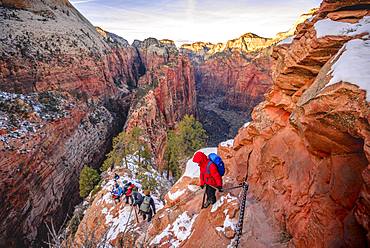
(63, 95)
(166, 94)
(229, 86)
(305, 152)
(232, 78)
(65, 90)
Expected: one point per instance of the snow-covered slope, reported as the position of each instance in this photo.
(109, 223)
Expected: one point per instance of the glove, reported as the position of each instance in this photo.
(201, 186)
(220, 189)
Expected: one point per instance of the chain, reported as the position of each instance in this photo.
(239, 227)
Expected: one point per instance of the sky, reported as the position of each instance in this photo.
(187, 21)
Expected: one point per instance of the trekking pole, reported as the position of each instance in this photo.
(137, 217)
(204, 197)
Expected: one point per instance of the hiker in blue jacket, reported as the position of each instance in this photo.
(117, 192)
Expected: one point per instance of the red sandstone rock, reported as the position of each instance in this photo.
(243, 78)
(305, 152)
(49, 46)
(170, 83)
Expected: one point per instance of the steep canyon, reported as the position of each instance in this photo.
(67, 87)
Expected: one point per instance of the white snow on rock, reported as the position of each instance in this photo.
(353, 65)
(120, 223)
(192, 169)
(177, 194)
(288, 40)
(220, 202)
(193, 188)
(228, 223)
(178, 231)
(328, 27)
(246, 124)
(227, 143)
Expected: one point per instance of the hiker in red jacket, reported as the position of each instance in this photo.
(209, 176)
(129, 193)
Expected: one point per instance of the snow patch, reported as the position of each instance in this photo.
(228, 143)
(193, 188)
(120, 223)
(228, 198)
(246, 124)
(179, 231)
(328, 27)
(177, 194)
(228, 223)
(288, 40)
(353, 65)
(192, 169)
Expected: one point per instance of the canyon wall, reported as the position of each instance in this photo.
(306, 151)
(63, 95)
(232, 78)
(166, 93)
(66, 88)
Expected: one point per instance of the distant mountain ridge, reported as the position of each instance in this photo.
(248, 42)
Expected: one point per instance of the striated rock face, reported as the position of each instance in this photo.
(166, 93)
(308, 141)
(62, 97)
(65, 90)
(306, 152)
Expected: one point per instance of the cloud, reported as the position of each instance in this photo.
(193, 20)
(81, 1)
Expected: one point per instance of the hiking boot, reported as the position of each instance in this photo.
(206, 204)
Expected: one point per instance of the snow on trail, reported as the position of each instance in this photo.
(176, 195)
(353, 65)
(228, 198)
(178, 231)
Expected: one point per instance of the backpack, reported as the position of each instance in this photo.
(145, 205)
(218, 162)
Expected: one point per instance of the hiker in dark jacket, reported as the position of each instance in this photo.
(138, 198)
(147, 207)
(209, 176)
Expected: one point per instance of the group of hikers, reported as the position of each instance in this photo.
(134, 197)
(211, 171)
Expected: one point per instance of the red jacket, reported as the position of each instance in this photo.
(212, 178)
(129, 190)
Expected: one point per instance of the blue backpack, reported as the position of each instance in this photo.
(218, 162)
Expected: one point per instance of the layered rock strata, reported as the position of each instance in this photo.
(306, 150)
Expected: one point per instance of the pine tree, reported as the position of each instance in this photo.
(192, 134)
(173, 153)
(88, 179)
(124, 144)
